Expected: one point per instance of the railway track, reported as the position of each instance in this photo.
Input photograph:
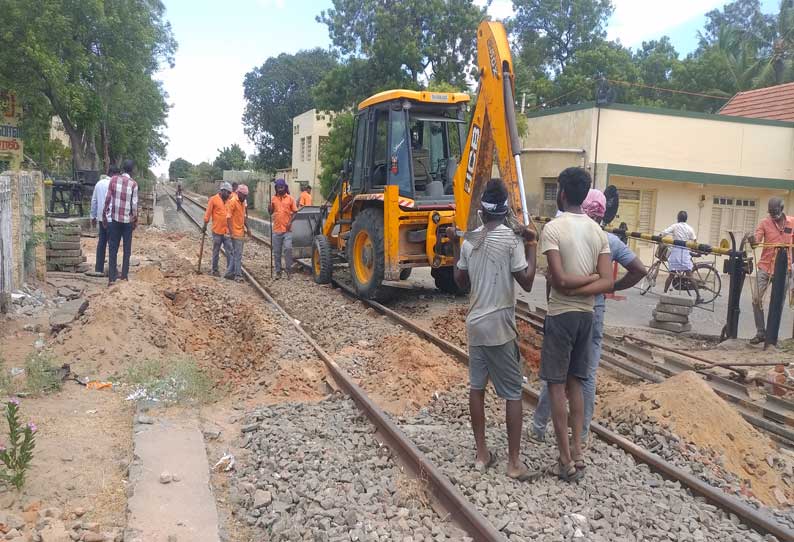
(449, 411)
(654, 362)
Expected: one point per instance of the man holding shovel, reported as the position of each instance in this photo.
(216, 211)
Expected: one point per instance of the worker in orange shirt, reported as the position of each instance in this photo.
(305, 197)
(238, 226)
(282, 207)
(216, 211)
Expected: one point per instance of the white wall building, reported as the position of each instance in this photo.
(309, 135)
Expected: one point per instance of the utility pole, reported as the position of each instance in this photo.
(523, 101)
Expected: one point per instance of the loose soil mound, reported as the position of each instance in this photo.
(452, 327)
(697, 414)
(406, 371)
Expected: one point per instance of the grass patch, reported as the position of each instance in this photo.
(174, 380)
(6, 386)
(41, 374)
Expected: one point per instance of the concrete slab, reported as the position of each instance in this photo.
(182, 510)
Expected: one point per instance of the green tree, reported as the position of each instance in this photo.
(231, 158)
(551, 32)
(204, 172)
(275, 92)
(335, 151)
(397, 44)
(90, 61)
(779, 60)
(179, 169)
(743, 15)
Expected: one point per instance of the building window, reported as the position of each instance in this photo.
(308, 148)
(303, 149)
(549, 205)
(296, 129)
(322, 141)
(729, 213)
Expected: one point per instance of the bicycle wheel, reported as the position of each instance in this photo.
(649, 280)
(707, 282)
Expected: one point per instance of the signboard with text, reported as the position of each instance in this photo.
(10, 132)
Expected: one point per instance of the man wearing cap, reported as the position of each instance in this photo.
(237, 226)
(216, 211)
(491, 259)
(282, 207)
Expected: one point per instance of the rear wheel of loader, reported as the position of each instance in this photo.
(445, 281)
(405, 274)
(322, 265)
(365, 253)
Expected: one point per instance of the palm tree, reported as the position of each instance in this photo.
(779, 64)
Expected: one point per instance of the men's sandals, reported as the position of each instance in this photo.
(567, 473)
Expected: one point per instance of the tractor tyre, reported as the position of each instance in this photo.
(365, 253)
(445, 281)
(322, 263)
(405, 274)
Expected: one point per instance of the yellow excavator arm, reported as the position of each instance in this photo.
(493, 134)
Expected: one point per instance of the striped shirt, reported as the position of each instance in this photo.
(121, 202)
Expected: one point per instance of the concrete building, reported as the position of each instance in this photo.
(11, 146)
(309, 135)
(720, 169)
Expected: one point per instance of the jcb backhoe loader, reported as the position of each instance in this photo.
(416, 170)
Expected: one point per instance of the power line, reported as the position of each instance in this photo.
(668, 89)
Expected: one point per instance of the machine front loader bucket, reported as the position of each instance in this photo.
(306, 223)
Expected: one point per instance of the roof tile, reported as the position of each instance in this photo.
(775, 103)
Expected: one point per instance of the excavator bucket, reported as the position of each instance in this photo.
(306, 223)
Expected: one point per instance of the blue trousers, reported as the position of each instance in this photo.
(118, 231)
(236, 269)
(101, 247)
(543, 410)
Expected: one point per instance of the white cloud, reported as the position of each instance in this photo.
(207, 97)
(638, 20)
(499, 9)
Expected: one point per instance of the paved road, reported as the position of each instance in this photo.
(635, 310)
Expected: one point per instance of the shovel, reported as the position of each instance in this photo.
(201, 250)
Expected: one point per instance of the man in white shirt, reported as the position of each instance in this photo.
(97, 204)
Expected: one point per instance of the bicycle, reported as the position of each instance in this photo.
(703, 280)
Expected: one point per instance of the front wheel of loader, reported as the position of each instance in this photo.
(322, 263)
(365, 254)
(445, 281)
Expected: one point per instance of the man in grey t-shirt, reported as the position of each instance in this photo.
(489, 260)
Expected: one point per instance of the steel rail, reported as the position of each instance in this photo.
(760, 521)
(774, 417)
(450, 498)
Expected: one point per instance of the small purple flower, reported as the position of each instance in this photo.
(14, 401)
(2, 448)
(32, 427)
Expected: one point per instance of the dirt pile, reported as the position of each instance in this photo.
(166, 310)
(404, 372)
(452, 327)
(692, 410)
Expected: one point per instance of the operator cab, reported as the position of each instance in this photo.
(410, 139)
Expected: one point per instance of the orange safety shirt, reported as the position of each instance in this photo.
(216, 210)
(305, 199)
(283, 209)
(236, 212)
(769, 232)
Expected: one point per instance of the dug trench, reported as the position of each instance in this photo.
(178, 350)
(426, 393)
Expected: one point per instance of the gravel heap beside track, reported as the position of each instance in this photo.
(617, 500)
(317, 473)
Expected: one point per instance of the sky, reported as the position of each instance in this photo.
(220, 42)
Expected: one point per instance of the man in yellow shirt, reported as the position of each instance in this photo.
(216, 211)
(237, 226)
(305, 197)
